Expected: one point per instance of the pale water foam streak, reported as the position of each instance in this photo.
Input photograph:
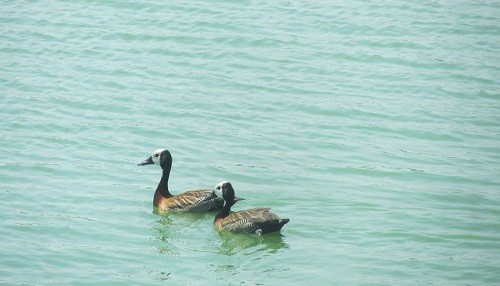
(373, 126)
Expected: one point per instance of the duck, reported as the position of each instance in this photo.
(193, 201)
(256, 220)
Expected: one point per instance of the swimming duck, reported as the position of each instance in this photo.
(257, 220)
(190, 201)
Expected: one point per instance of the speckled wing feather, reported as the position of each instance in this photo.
(201, 205)
(249, 220)
(191, 201)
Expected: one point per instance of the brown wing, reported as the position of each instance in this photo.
(249, 220)
(190, 201)
(196, 193)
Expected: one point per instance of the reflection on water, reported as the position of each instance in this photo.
(184, 219)
(172, 239)
(158, 211)
(174, 228)
(164, 220)
(241, 253)
(234, 243)
(171, 231)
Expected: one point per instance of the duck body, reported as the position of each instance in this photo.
(191, 201)
(256, 220)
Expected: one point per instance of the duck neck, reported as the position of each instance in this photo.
(224, 212)
(162, 188)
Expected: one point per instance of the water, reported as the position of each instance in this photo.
(373, 126)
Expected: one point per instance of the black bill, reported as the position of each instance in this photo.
(148, 161)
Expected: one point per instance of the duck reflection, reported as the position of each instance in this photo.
(173, 232)
(234, 243)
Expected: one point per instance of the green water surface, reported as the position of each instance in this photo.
(373, 126)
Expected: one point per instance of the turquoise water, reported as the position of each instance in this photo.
(373, 126)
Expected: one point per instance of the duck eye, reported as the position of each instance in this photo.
(156, 155)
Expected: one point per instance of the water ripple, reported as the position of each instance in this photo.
(374, 127)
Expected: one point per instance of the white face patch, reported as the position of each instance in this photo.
(218, 193)
(218, 189)
(156, 156)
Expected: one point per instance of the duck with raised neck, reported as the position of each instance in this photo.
(191, 201)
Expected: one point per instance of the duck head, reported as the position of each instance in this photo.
(223, 190)
(161, 157)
